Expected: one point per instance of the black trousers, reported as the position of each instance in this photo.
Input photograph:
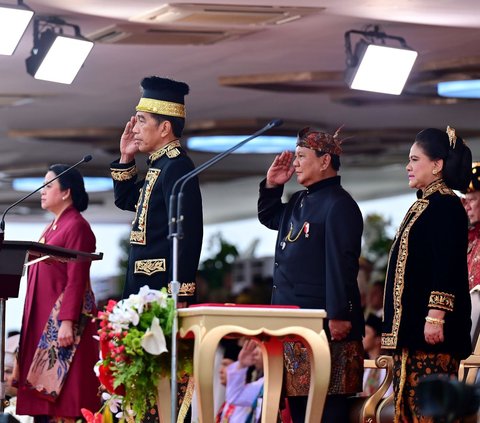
(335, 410)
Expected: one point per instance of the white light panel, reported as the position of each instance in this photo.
(384, 69)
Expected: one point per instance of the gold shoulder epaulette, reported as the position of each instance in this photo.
(173, 153)
(171, 150)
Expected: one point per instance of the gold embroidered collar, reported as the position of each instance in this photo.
(164, 150)
(438, 185)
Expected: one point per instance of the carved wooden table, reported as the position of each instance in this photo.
(272, 326)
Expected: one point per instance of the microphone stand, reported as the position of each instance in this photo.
(176, 233)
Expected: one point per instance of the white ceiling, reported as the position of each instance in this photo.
(62, 123)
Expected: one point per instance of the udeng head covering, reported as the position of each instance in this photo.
(320, 141)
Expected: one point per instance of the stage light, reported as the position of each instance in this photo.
(374, 66)
(13, 23)
(57, 57)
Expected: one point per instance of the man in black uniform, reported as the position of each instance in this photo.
(155, 130)
(316, 264)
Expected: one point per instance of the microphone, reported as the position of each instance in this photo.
(175, 232)
(185, 178)
(2, 222)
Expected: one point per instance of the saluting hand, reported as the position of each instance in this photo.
(128, 148)
(281, 170)
(246, 356)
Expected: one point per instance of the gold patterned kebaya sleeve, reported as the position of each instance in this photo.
(441, 300)
(123, 174)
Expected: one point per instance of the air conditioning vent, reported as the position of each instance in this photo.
(163, 35)
(205, 14)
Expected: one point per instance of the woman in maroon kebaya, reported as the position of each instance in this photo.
(57, 350)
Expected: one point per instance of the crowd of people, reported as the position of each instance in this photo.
(420, 313)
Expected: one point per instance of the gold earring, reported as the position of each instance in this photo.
(64, 198)
(434, 171)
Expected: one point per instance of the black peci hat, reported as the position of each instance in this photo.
(163, 96)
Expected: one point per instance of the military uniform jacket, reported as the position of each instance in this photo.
(149, 261)
(317, 249)
(428, 269)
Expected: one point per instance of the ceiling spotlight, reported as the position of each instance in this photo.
(374, 66)
(13, 23)
(55, 56)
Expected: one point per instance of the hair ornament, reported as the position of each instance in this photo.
(336, 135)
(452, 138)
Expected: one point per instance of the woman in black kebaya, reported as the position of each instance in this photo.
(427, 303)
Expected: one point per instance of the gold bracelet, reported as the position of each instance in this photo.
(434, 320)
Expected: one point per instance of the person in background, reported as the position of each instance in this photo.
(372, 343)
(228, 351)
(316, 265)
(58, 351)
(427, 302)
(375, 298)
(11, 351)
(363, 279)
(472, 207)
(155, 130)
(243, 401)
(471, 202)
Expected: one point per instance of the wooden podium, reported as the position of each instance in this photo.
(271, 326)
(13, 261)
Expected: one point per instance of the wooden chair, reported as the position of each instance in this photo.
(469, 367)
(376, 409)
(368, 409)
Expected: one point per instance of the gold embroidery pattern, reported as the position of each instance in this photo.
(173, 153)
(389, 340)
(171, 150)
(187, 400)
(139, 229)
(441, 300)
(435, 186)
(123, 174)
(161, 107)
(186, 289)
(149, 267)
